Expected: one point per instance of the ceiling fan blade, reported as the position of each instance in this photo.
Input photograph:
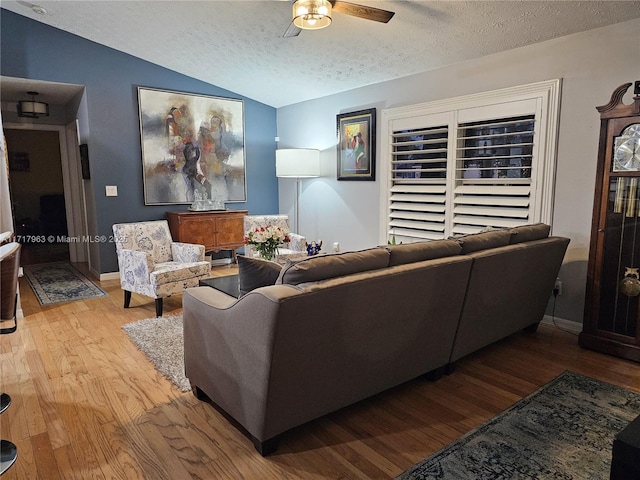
(362, 11)
(291, 31)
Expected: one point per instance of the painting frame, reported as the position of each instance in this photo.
(356, 150)
(192, 147)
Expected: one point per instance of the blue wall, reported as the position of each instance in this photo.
(29, 49)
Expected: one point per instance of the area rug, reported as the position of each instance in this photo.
(563, 431)
(60, 282)
(161, 340)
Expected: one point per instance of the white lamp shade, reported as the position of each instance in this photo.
(297, 163)
(33, 109)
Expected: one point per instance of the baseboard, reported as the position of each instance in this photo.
(569, 325)
(107, 276)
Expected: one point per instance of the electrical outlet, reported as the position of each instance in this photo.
(558, 286)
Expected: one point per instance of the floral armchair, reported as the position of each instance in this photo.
(152, 264)
(296, 245)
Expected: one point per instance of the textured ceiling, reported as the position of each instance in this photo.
(238, 45)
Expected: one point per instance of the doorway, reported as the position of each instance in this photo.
(37, 195)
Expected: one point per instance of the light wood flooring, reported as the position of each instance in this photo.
(88, 405)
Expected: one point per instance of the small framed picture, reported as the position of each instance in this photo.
(357, 145)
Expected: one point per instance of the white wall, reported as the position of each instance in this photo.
(592, 64)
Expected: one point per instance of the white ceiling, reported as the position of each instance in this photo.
(238, 45)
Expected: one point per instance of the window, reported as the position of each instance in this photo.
(460, 165)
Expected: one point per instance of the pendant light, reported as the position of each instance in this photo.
(32, 108)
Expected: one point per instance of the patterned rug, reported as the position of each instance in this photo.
(161, 340)
(60, 282)
(563, 431)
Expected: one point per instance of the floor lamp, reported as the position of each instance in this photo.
(297, 163)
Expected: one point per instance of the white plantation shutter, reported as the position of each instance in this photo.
(494, 163)
(418, 192)
(461, 165)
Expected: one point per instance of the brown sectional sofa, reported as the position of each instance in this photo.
(339, 328)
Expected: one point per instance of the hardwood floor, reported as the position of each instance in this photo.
(88, 405)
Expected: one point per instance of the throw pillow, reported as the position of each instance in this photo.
(256, 272)
(528, 233)
(321, 267)
(420, 251)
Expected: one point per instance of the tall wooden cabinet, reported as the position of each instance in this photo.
(216, 230)
(612, 308)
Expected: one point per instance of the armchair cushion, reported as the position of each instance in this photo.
(187, 252)
(171, 272)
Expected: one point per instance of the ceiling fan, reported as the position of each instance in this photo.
(316, 14)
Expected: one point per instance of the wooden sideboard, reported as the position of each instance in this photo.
(216, 230)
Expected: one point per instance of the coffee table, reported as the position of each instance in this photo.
(228, 284)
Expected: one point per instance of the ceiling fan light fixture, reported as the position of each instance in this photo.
(32, 108)
(311, 14)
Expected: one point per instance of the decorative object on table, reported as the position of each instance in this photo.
(203, 204)
(612, 309)
(295, 246)
(60, 282)
(314, 248)
(152, 264)
(564, 430)
(357, 145)
(266, 240)
(161, 340)
(191, 143)
(297, 163)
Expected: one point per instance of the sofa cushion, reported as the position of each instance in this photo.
(528, 233)
(321, 267)
(256, 272)
(419, 251)
(482, 241)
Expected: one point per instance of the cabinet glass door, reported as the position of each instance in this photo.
(620, 264)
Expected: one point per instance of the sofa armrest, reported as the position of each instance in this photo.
(228, 349)
(187, 252)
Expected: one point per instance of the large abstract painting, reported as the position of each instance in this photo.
(192, 147)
